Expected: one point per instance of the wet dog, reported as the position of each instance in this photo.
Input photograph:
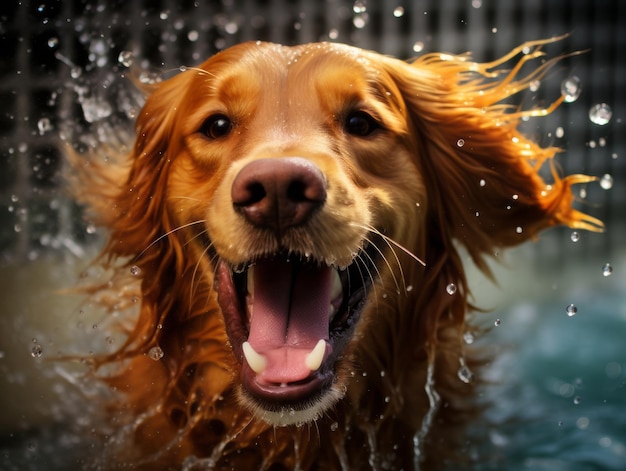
(294, 216)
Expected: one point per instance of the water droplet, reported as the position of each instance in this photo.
(497, 322)
(193, 35)
(53, 42)
(571, 310)
(560, 132)
(359, 7)
(577, 400)
(534, 85)
(460, 142)
(482, 182)
(135, 270)
(606, 182)
(125, 58)
(155, 353)
(418, 46)
(231, 27)
(575, 236)
(468, 338)
(360, 20)
(600, 114)
(451, 288)
(607, 269)
(464, 373)
(398, 12)
(571, 89)
(36, 351)
(334, 426)
(477, 3)
(44, 125)
(519, 229)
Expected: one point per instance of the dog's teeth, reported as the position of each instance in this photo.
(256, 361)
(313, 360)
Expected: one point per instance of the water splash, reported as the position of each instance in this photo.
(434, 401)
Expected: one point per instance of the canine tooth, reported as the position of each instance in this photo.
(256, 361)
(314, 359)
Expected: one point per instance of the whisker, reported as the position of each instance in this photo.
(195, 269)
(389, 240)
(380, 252)
(369, 274)
(161, 237)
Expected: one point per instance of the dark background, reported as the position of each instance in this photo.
(53, 54)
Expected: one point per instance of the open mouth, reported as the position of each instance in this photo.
(288, 318)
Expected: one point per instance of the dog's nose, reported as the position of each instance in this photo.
(279, 193)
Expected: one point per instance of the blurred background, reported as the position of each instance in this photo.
(63, 80)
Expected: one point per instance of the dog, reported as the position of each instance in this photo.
(292, 218)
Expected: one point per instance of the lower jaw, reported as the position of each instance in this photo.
(282, 413)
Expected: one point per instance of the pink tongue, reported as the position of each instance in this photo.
(289, 316)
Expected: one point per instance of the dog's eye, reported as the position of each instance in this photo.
(216, 126)
(359, 123)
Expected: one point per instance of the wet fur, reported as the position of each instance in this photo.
(166, 203)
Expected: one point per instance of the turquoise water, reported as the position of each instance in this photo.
(561, 399)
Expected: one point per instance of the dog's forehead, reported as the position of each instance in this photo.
(273, 68)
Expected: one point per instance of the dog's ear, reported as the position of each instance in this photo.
(482, 174)
(137, 214)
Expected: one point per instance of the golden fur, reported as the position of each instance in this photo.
(447, 167)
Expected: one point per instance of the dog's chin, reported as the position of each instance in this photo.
(297, 414)
(290, 319)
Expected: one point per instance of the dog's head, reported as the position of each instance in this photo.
(307, 185)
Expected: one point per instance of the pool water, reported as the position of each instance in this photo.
(558, 401)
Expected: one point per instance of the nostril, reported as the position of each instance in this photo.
(255, 192)
(296, 191)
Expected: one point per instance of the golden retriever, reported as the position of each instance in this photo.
(294, 217)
